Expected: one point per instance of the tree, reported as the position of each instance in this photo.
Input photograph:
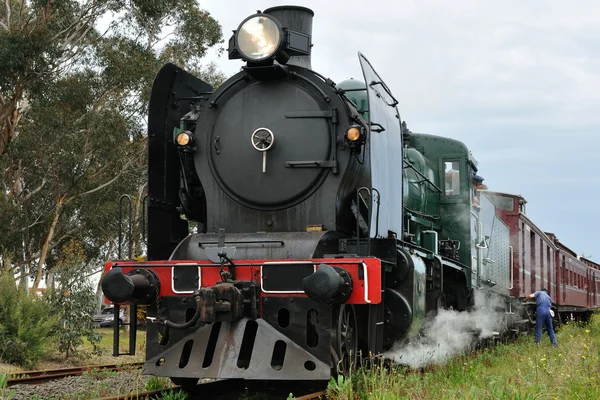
(73, 301)
(86, 150)
(40, 38)
(73, 102)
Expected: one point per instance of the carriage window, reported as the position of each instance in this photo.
(452, 178)
(502, 202)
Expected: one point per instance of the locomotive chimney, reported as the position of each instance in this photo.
(296, 18)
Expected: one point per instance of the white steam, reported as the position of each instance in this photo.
(450, 333)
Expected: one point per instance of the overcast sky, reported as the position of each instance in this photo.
(517, 81)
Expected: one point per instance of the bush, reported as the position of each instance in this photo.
(75, 305)
(74, 301)
(26, 324)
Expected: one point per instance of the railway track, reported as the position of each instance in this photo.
(151, 395)
(155, 394)
(37, 377)
(227, 390)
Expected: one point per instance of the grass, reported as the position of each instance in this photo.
(520, 370)
(87, 358)
(56, 360)
(107, 343)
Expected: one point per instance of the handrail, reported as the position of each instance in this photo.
(387, 90)
(370, 214)
(377, 213)
(479, 252)
(144, 212)
(512, 277)
(426, 179)
(370, 206)
(366, 276)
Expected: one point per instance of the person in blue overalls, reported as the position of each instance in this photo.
(543, 317)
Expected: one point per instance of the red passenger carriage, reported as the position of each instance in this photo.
(539, 260)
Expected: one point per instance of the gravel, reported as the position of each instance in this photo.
(82, 387)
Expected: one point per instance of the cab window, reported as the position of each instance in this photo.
(452, 174)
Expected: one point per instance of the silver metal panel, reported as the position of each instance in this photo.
(499, 271)
(487, 214)
(226, 353)
(496, 266)
(385, 149)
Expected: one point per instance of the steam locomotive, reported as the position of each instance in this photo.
(323, 228)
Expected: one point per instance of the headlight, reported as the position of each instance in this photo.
(353, 133)
(183, 139)
(258, 38)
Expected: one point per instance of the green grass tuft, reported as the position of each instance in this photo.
(521, 370)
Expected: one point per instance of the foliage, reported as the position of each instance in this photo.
(74, 301)
(73, 104)
(141, 313)
(5, 393)
(157, 383)
(171, 395)
(100, 374)
(522, 370)
(26, 324)
(210, 74)
(39, 39)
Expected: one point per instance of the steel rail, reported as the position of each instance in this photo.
(152, 394)
(209, 394)
(312, 396)
(37, 377)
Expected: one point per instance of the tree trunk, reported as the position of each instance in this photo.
(50, 280)
(10, 114)
(127, 319)
(99, 295)
(23, 277)
(46, 245)
(10, 124)
(107, 256)
(137, 217)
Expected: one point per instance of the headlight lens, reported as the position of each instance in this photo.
(353, 133)
(258, 38)
(183, 139)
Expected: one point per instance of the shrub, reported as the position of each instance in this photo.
(26, 324)
(75, 305)
(157, 383)
(74, 301)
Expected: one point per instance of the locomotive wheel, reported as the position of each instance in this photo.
(344, 352)
(187, 384)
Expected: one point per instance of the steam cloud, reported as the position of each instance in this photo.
(450, 333)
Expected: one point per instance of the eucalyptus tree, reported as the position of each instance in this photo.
(75, 79)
